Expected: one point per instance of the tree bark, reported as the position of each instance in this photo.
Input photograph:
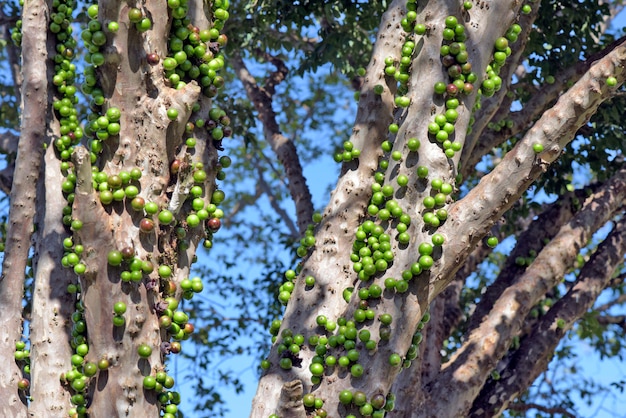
(463, 376)
(469, 219)
(53, 305)
(535, 352)
(23, 195)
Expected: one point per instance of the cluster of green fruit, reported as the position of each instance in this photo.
(375, 407)
(64, 78)
(461, 79)
(176, 322)
(306, 243)
(22, 357)
(94, 38)
(113, 188)
(194, 53)
(348, 154)
(337, 346)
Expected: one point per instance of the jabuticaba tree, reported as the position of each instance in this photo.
(111, 195)
(121, 191)
(376, 294)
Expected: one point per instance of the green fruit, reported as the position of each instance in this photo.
(285, 363)
(172, 113)
(149, 382)
(144, 351)
(144, 25)
(345, 397)
(82, 350)
(356, 370)
(451, 22)
(115, 258)
(165, 217)
(426, 261)
(538, 148)
(119, 308)
(135, 15)
(425, 248)
(316, 369)
(492, 242)
(165, 271)
(395, 359)
(438, 239)
(502, 44)
(103, 364)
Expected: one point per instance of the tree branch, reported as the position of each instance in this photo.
(53, 306)
(471, 217)
(279, 210)
(523, 118)
(13, 53)
(23, 194)
(500, 101)
(284, 149)
(536, 350)
(605, 307)
(523, 407)
(9, 142)
(619, 320)
(531, 241)
(464, 375)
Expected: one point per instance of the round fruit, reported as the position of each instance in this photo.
(166, 217)
(345, 397)
(395, 359)
(316, 369)
(149, 382)
(119, 308)
(135, 15)
(172, 113)
(115, 258)
(103, 364)
(144, 351)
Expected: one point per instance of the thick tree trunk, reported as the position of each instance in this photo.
(23, 195)
(52, 305)
(469, 219)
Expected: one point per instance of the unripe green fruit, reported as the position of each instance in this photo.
(144, 351)
(492, 242)
(172, 113)
(119, 308)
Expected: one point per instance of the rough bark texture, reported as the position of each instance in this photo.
(331, 268)
(52, 305)
(148, 140)
(531, 241)
(536, 350)
(541, 101)
(463, 376)
(23, 194)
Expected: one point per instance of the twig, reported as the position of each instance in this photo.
(523, 407)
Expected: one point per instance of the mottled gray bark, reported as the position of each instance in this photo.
(23, 195)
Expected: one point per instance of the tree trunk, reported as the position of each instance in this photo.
(468, 221)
